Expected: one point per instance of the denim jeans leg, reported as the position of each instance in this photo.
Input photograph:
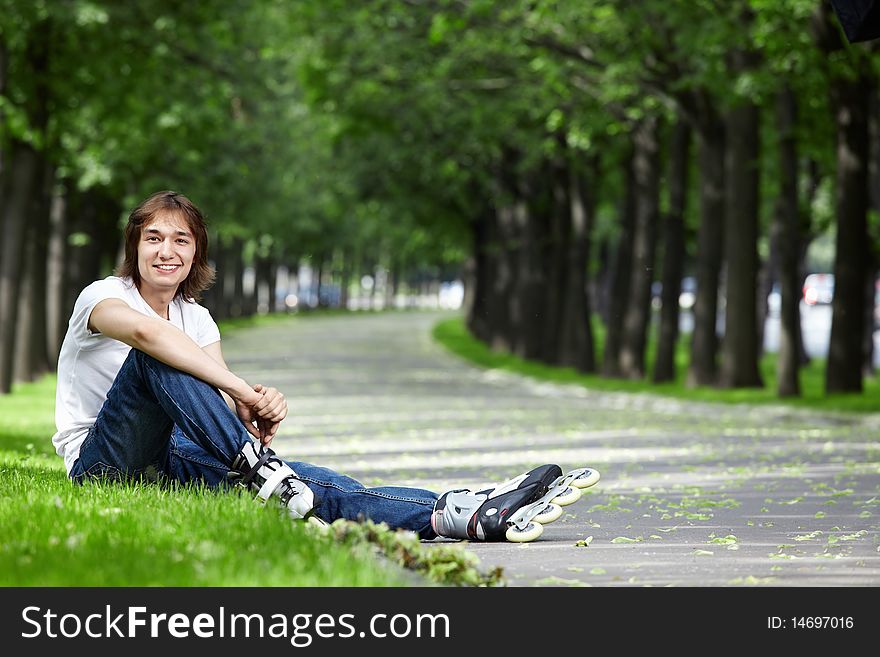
(157, 416)
(190, 464)
(339, 496)
(336, 496)
(132, 431)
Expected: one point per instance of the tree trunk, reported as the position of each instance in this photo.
(576, 335)
(19, 185)
(604, 280)
(345, 281)
(850, 94)
(56, 270)
(81, 262)
(21, 179)
(213, 298)
(32, 355)
(272, 284)
(469, 282)
(227, 277)
(293, 280)
(24, 343)
(673, 254)
(395, 272)
(477, 300)
(870, 289)
(318, 283)
(501, 302)
(844, 369)
(620, 277)
(710, 240)
(787, 226)
(740, 349)
(4, 62)
(874, 161)
(556, 241)
(530, 214)
(237, 261)
(262, 268)
(646, 167)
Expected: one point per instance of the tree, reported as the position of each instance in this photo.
(850, 84)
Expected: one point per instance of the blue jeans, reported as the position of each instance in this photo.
(159, 422)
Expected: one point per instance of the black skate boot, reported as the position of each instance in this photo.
(516, 510)
(482, 515)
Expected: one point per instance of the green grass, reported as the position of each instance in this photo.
(58, 534)
(107, 534)
(27, 418)
(453, 334)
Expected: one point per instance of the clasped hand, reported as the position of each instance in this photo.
(262, 414)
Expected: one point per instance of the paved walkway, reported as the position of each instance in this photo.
(692, 494)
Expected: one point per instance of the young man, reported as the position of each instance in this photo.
(144, 392)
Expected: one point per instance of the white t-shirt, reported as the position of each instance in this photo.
(89, 362)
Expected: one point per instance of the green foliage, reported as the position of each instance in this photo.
(378, 127)
(376, 132)
(443, 564)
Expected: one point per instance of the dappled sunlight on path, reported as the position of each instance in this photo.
(692, 493)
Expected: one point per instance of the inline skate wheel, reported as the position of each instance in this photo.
(548, 515)
(587, 479)
(532, 531)
(314, 523)
(569, 496)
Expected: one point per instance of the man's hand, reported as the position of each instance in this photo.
(273, 406)
(262, 416)
(271, 410)
(244, 408)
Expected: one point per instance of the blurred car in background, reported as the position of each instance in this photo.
(818, 289)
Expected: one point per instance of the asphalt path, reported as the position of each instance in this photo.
(692, 494)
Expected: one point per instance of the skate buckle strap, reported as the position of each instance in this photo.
(273, 480)
(265, 455)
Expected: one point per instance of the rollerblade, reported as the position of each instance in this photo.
(516, 510)
(257, 468)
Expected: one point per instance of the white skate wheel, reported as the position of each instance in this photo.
(532, 531)
(548, 515)
(316, 524)
(568, 496)
(587, 479)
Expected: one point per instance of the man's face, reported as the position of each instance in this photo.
(165, 253)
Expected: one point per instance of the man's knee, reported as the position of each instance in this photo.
(143, 358)
(146, 362)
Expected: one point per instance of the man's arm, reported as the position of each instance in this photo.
(167, 343)
(215, 352)
(273, 407)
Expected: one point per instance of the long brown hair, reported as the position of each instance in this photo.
(201, 276)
